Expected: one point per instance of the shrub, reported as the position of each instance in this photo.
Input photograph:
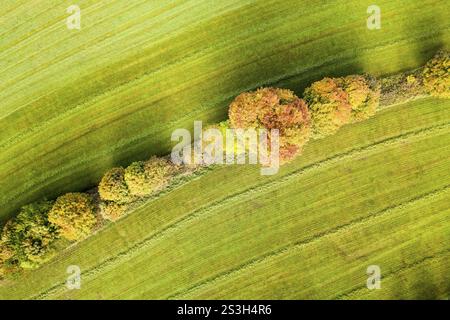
(8, 267)
(30, 237)
(113, 187)
(329, 106)
(6, 252)
(144, 178)
(436, 75)
(112, 211)
(401, 88)
(6, 255)
(273, 108)
(74, 214)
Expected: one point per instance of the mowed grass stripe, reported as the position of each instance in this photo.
(329, 33)
(136, 113)
(345, 256)
(261, 263)
(166, 211)
(103, 37)
(31, 185)
(427, 279)
(50, 176)
(244, 196)
(157, 68)
(180, 229)
(129, 26)
(218, 240)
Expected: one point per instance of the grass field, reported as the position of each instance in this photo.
(376, 193)
(73, 104)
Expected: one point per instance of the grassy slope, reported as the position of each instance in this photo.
(376, 193)
(75, 103)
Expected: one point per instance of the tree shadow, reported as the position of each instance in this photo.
(195, 73)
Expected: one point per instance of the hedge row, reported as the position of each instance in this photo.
(119, 187)
(29, 239)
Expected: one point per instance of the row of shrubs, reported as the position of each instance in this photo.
(29, 239)
(119, 187)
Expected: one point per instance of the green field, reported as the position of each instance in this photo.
(376, 193)
(73, 104)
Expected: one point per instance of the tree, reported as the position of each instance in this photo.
(334, 102)
(74, 215)
(436, 75)
(30, 237)
(113, 187)
(363, 96)
(273, 108)
(145, 178)
(329, 106)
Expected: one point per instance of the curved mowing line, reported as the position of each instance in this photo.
(121, 143)
(67, 54)
(49, 26)
(142, 78)
(309, 241)
(206, 210)
(273, 80)
(123, 87)
(406, 267)
(55, 173)
(100, 39)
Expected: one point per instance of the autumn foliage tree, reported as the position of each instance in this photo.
(7, 262)
(273, 108)
(363, 96)
(29, 238)
(74, 215)
(329, 106)
(146, 177)
(334, 102)
(113, 187)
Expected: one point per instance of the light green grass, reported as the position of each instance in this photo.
(75, 103)
(375, 193)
